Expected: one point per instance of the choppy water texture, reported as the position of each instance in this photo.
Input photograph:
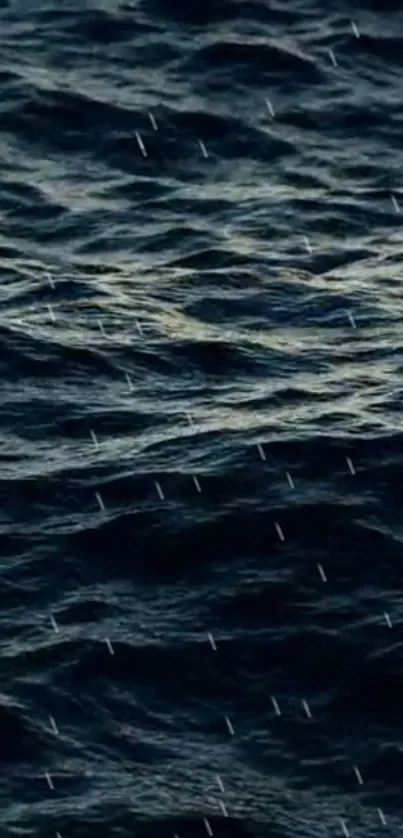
(200, 423)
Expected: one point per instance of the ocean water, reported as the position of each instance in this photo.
(201, 418)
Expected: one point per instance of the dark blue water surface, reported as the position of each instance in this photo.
(201, 373)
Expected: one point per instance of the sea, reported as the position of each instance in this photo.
(201, 441)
